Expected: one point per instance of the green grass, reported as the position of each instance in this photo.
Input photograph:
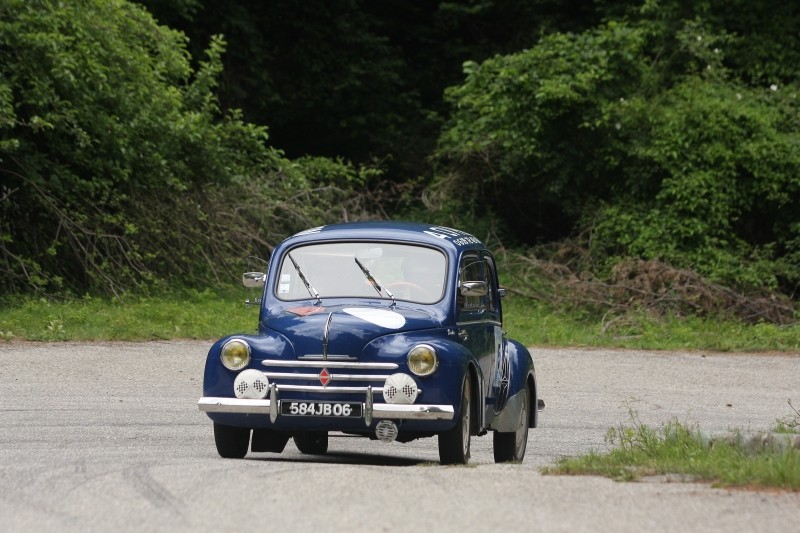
(678, 450)
(194, 315)
(789, 424)
(209, 315)
(536, 325)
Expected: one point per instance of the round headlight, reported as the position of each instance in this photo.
(235, 354)
(422, 360)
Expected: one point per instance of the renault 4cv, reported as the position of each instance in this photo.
(387, 330)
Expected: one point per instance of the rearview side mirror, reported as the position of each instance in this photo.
(474, 288)
(253, 280)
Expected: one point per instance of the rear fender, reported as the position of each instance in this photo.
(522, 374)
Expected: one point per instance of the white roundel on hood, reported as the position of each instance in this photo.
(380, 317)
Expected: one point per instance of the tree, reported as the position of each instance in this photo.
(357, 79)
(529, 132)
(118, 167)
(647, 138)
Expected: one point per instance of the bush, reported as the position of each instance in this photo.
(642, 140)
(118, 167)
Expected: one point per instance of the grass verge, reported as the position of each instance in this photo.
(187, 315)
(535, 324)
(680, 451)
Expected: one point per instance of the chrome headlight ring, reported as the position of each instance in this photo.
(235, 354)
(422, 360)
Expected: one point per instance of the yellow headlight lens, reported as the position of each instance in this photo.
(422, 360)
(235, 354)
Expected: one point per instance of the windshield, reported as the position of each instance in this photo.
(363, 270)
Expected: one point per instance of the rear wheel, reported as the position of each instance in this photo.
(454, 443)
(232, 442)
(511, 446)
(312, 442)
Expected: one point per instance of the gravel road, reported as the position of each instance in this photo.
(107, 436)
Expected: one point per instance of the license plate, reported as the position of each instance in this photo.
(344, 410)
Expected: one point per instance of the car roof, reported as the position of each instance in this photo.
(412, 232)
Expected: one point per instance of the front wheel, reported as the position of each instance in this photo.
(454, 443)
(511, 446)
(312, 442)
(232, 442)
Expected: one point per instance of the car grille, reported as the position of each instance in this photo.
(329, 376)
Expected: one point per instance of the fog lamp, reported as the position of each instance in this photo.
(400, 388)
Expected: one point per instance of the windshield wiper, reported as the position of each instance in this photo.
(311, 290)
(374, 282)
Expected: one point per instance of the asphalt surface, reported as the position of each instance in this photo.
(107, 437)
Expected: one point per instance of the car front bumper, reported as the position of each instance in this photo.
(371, 411)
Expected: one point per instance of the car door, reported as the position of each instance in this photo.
(501, 371)
(478, 320)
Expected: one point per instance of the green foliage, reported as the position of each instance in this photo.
(760, 45)
(642, 136)
(118, 167)
(104, 117)
(528, 130)
(355, 78)
(665, 130)
(320, 73)
(708, 182)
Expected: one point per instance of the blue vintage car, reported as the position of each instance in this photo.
(387, 330)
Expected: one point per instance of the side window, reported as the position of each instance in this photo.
(491, 280)
(472, 268)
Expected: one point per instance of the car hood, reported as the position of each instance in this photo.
(349, 327)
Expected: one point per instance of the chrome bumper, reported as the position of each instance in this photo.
(371, 410)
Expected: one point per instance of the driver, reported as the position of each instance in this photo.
(424, 282)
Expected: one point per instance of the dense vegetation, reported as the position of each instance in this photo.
(616, 147)
(119, 168)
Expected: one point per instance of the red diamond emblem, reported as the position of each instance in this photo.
(324, 377)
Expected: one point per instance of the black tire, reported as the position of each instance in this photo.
(454, 443)
(312, 442)
(511, 446)
(232, 442)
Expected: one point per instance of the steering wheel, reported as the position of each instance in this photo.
(420, 290)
